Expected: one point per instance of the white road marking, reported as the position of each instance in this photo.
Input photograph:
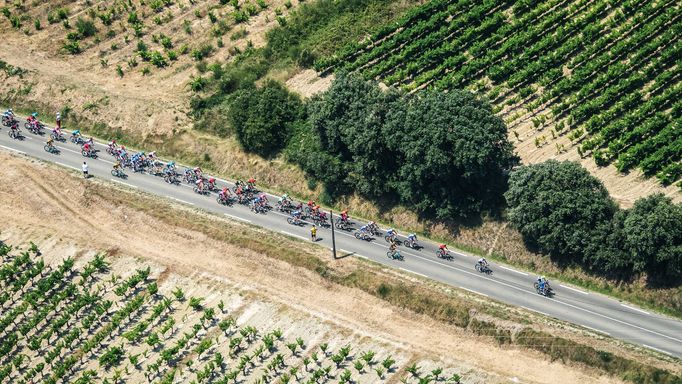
(472, 291)
(656, 349)
(123, 182)
(635, 309)
(14, 150)
(413, 272)
(526, 291)
(68, 166)
(514, 270)
(574, 289)
(597, 330)
(106, 161)
(237, 217)
(182, 201)
(291, 234)
(69, 150)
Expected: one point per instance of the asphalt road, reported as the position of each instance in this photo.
(588, 309)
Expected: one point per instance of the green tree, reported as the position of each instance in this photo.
(263, 117)
(348, 120)
(452, 152)
(557, 207)
(653, 237)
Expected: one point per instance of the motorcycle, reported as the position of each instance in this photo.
(118, 173)
(51, 149)
(483, 269)
(395, 255)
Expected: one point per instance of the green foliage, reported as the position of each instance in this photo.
(557, 206)
(564, 211)
(263, 117)
(36, 23)
(652, 234)
(111, 357)
(72, 47)
(158, 59)
(202, 51)
(440, 153)
(85, 28)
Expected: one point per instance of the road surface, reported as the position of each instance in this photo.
(588, 309)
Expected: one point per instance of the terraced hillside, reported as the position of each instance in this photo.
(601, 77)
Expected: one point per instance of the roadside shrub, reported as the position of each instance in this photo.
(36, 23)
(5, 11)
(263, 117)
(557, 206)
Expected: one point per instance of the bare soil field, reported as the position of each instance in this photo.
(69, 217)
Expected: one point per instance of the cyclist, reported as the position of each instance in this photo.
(197, 172)
(86, 147)
(443, 249)
(412, 238)
(482, 263)
(9, 114)
(200, 185)
(211, 182)
(344, 215)
(224, 194)
(364, 231)
(392, 234)
(50, 142)
(297, 216)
